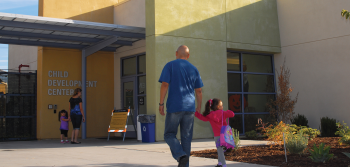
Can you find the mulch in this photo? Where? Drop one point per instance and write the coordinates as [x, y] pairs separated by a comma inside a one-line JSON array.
[[274, 155]]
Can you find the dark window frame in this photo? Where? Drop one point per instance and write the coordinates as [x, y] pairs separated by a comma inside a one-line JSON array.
[[242, 93], [137, 75]]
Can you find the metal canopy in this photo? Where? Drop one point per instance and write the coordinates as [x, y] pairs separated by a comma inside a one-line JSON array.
[[89, 37], [64, 33]]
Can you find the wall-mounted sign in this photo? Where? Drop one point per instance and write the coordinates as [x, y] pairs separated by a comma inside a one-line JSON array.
[[141, 101], [64, 83]]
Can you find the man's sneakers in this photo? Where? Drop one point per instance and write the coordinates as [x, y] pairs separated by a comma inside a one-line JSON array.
[[183, 161]]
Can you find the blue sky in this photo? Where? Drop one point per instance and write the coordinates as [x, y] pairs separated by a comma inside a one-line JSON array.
[[25, 7]]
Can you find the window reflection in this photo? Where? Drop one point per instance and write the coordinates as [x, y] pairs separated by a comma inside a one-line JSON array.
[[258, 103], [234, 82], [257, 63], [258, 83], [236, 123], [233, 63], [129, 66]]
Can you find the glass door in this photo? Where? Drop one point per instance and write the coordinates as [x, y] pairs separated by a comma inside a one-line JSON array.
[[129, 100]]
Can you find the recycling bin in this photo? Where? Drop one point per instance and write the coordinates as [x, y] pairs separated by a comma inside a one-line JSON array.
[[148, 128]]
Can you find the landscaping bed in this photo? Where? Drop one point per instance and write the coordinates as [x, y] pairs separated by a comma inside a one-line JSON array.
[[274, 155]]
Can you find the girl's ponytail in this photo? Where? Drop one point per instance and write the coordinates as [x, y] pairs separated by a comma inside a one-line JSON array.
[[211, 104], [207, 109]]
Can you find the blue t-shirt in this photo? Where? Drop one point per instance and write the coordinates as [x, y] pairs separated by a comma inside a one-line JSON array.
[[183, 78]]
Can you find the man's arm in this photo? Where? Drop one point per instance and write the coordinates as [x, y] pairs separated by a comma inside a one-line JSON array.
[[199, 99], [163, 91]]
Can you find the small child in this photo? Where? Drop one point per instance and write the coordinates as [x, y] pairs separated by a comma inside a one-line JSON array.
[[63, 118], [213, 113]]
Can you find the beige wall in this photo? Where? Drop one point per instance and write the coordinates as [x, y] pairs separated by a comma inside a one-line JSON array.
[[130, 13], [315, 39], [26, 55]]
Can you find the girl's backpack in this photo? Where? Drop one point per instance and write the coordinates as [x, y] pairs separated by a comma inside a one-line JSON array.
[[226, 136]]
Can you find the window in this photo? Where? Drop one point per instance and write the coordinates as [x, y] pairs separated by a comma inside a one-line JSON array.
[[251, 85], [135, 67]]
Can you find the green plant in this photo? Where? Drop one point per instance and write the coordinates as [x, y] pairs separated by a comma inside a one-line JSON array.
[[343, 132], [236, 138], [275, 132], [345, 13], [296, 143], [300, 120], [251, 134], [312, 133], [320, 154], [328, 127]]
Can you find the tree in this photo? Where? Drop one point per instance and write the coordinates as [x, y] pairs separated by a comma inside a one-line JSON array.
[[345, 13], [284, 105]]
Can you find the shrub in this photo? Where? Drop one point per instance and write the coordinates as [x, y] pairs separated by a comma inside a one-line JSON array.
[[320, 154], [312, 133], [251, 134], [300, 120], [236, 138], [328, 127], [343, 132], [296, 143], [275, 133]]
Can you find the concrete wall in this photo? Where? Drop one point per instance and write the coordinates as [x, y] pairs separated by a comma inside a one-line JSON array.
[[26, 55], [209, 29], [315, 45], [130, 13]]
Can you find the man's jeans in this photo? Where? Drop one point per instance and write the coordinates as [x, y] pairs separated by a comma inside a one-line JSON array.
[[172, 122]]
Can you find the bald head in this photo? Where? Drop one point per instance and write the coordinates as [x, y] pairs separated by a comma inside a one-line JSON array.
[[182, 52]]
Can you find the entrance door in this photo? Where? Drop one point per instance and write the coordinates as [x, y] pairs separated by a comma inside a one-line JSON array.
[[129, 100]]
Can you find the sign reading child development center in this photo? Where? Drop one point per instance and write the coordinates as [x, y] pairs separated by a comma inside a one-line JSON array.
[[69, 85]]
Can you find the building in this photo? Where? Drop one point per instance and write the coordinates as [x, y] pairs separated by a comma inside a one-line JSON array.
[[235, 44]]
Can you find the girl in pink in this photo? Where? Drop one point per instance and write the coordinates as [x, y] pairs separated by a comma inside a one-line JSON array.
[[213, 113], [63, 118]]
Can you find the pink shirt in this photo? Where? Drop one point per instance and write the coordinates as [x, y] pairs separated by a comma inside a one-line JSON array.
[[215, 119]]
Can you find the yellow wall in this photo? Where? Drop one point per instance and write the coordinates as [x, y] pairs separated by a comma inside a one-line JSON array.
[[100, 68], [85, 10], [100, 100]]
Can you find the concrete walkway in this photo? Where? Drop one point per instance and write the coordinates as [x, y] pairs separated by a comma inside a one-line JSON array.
[[102, 153]]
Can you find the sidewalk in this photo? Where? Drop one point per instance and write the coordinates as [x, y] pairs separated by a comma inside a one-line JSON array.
[[102, 153]]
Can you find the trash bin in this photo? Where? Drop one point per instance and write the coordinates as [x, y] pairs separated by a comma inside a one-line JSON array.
[[148, 128]]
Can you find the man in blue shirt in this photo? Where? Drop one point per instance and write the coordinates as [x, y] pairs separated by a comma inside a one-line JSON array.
[[182, 81]]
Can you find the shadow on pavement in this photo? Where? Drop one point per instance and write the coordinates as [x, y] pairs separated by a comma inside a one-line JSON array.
[[121, 165]]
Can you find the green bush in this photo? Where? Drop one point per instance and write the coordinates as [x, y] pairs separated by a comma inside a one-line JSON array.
[[300, 120], [343, 132], [236, 138], [320, 154], [251, 134], [296, 143], [312, 133], [328, 127], [275, 132]]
